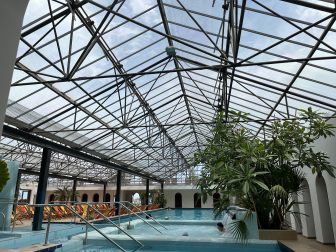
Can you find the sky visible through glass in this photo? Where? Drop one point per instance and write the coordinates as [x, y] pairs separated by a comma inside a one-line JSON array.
[[96, 76]]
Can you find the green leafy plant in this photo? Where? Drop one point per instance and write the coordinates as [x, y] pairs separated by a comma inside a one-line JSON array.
[[264, 175], [160, 199], [64, 194], [4, 174]]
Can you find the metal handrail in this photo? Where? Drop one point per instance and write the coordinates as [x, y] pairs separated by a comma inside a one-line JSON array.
[[107, 219], [141, 211], [13, 203], [79, 216], [129, 210], [4, 220]]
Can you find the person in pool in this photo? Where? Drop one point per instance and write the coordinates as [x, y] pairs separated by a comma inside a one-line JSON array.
[[149, 216], [220, 227]]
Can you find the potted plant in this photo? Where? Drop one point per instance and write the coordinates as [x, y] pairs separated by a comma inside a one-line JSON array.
[[262, 174]]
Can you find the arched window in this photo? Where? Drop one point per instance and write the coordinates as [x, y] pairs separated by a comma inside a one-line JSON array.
[[107, 197], [215, 198], [136, 199], [51, 198], [197, 200], [95, 197], [178, 200], [84, 197]]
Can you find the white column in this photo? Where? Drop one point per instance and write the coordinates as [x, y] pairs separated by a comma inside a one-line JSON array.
[[11, 18]]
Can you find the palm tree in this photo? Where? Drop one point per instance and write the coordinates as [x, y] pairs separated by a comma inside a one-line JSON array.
[[64, 194]]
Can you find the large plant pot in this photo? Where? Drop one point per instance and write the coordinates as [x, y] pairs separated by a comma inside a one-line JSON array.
[[273, 234]]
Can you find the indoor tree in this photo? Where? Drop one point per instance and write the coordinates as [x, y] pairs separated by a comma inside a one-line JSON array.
[[159, 198], [262, 174], [64, 194], [234, 163]]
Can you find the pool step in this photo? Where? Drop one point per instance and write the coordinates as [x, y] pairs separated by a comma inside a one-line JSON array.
[[35, 248]]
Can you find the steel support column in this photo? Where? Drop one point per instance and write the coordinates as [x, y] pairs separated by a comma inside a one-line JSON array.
[[147, 192], [104, 192], [162, 187], [118, 191], [74, 190], [41, 189], [17, 189]]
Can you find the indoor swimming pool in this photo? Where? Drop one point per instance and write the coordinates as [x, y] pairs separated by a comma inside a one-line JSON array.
[[196, 232], [184, 230]]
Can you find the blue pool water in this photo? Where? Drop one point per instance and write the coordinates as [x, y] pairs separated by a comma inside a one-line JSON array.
[[173, 228], [185, 214], [195, 222], [200, 224], [190, 246]]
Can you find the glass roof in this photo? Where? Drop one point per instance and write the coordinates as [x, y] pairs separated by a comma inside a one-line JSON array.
[[138, 83]]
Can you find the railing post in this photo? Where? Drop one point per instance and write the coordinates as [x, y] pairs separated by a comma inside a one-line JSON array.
[[118, 192], [86, 226], [48, 227], [147, 192]]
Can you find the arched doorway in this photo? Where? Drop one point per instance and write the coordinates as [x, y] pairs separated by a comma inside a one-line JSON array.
[[215, 198], [136, 199], [107, 197], [197, 200], [178, 200], [307, 218], [324, 209], [51, 198], [95, 197], [84, 197]]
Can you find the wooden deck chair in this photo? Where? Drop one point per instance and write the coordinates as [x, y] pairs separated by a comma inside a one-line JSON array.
[[79, 209], [85, 211], [110, 212], [143, 207], [66, 212], [17, 217], [23, 212], [123, 211], [46, 211], [58, 212]]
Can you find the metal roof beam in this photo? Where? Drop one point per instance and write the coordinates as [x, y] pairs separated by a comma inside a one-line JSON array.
[[303, 65], [23, 136]]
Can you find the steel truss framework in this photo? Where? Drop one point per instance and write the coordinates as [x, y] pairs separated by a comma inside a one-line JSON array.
[[138, 83]]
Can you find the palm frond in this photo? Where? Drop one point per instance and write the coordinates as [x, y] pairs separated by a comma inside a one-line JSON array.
[[239, 231]]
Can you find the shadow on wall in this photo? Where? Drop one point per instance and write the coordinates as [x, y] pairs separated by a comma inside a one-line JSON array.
[[324, 209]]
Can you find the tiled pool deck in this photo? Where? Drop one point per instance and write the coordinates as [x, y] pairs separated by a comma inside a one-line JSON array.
[[308, 245]]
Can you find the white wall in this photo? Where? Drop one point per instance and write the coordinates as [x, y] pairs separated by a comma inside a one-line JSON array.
[[324, 233], [126, 191], [187, 193], [11, 17]]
